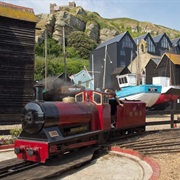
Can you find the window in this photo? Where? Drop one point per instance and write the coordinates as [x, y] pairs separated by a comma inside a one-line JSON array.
[[88, 84], [150, 45], [123, 80], [97, 98], [126, 42], [122, 64], [79, 82], [79, 97], [142, 48], [122, 53], [105, 99], [164, 42]]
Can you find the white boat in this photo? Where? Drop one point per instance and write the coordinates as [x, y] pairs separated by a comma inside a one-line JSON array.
[[169, 93], [147, 93]]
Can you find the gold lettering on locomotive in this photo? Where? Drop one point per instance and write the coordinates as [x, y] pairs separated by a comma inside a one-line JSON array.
[[53, 133]]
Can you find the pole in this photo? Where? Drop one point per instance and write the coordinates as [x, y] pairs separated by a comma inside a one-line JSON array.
[[172, 113], [93, 70], [137, 64], [64, 54], [46, 64], [104, 75]]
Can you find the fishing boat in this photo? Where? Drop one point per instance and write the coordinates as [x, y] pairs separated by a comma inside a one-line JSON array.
[[169, 80], [131, 90], [169, 93]]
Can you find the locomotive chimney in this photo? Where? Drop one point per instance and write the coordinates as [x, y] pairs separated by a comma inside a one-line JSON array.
[[38, 92]]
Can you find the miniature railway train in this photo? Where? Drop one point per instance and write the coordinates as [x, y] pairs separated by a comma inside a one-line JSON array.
[[51, 128]]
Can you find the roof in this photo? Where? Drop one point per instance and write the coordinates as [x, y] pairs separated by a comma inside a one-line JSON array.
[[138, 39], [175, 41], [113, 40], [175, 58], [117, 70], [156, 61], [158, 38], [17, 12], [82, 76]]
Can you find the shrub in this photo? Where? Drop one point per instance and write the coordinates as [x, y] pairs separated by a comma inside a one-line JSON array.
[[15, 132]]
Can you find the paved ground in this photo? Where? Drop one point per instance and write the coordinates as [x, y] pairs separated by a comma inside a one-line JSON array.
[[7, 154], [117, 165]]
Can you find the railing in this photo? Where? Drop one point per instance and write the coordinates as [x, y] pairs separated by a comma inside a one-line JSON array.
[[171, 121]]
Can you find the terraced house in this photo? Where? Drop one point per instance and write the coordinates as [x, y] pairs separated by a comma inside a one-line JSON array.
[[134, 54]]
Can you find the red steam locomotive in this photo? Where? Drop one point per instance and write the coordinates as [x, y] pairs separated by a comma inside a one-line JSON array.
[[51, 128]]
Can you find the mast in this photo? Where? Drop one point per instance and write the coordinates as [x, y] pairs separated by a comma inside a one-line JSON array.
[[64, 54], [170, 69], [46, 64], [93, 70], [131, 62], [104, 75], [137, 64]]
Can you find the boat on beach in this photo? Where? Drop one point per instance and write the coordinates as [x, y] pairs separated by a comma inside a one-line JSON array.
[[130, 90], [169, 93]]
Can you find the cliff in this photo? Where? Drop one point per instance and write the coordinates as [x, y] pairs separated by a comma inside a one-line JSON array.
[[97, 28]]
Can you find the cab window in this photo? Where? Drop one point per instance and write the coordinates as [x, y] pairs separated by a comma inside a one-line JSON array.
[[105, 99], [97, 98], [79, 97]]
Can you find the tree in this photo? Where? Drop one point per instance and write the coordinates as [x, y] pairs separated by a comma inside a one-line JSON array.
[[53, 48], [82, 44]]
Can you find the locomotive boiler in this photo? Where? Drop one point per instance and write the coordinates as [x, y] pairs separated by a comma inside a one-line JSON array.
[[51, 128]]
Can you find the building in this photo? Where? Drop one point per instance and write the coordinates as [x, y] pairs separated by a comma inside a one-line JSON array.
[[111, 54], [150, 46], [170, 67], [17, 34], [167, 66], [55, 8], [163, 44], [83, 78], [151, 70], [143, 57], [175, 46], [135, 54]]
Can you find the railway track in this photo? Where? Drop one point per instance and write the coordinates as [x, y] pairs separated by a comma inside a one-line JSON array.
[[154, 142], [9, 170], [18, 169], [151, 142]]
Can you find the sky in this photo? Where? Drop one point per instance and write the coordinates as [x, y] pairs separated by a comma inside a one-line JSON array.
[[160, 12]]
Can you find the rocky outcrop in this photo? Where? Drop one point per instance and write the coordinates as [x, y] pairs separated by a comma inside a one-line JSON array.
[[92, 30], [80, 10], [106, 34], [55, 23]]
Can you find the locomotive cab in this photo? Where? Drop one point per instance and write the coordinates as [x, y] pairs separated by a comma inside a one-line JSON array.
[[101, 102]]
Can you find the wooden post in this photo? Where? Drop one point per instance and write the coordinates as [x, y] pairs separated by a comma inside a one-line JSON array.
[[172, 114]]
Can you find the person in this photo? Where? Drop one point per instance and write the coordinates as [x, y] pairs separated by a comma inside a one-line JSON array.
[[113, 101], [111, 94]]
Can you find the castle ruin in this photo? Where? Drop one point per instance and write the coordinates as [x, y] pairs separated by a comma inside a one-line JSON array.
[[55, 8]]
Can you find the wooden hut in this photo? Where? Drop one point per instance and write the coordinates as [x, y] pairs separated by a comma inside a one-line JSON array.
[[17, 42]]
